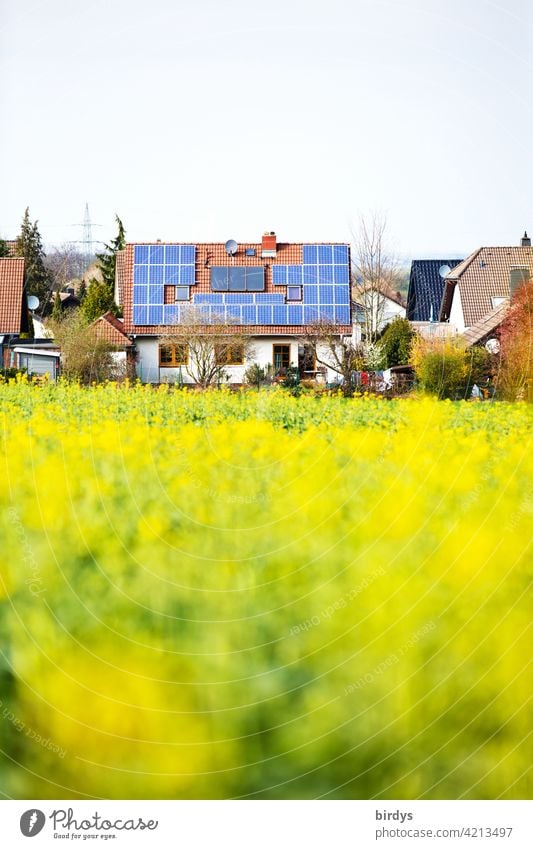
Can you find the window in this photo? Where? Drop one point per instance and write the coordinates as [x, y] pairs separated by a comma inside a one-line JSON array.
[[281, 356], [176, 293], [174, 355], [231, 278], [231, 355], [294, 293]]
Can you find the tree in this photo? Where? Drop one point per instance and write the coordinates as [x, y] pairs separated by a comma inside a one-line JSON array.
[[515, 376], [205, 349], [29, 245], [107, 261], [84, 357], [338, 353], [375, 273], [64, 263], [98, 300], [256, 375], [4, 248], [396, 341], [57, 312]]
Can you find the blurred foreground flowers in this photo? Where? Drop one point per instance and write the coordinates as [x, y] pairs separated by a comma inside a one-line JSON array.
[[221, 595]]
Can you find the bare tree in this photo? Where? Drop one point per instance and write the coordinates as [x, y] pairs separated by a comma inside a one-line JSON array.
[[84, 356], [375, 273], [339, 353], [204, 349], [64, 263]]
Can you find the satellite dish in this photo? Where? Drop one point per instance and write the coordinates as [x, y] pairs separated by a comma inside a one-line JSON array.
[[444, 270], [493, 346], [231, 247], [33, 302]]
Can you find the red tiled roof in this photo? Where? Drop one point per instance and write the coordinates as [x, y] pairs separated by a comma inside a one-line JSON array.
[[208, 254], [482, 276], [486, 325], [110, 329], [11, 291]]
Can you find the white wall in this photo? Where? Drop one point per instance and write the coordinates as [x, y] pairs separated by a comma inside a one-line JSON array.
[[456, 311], [148, 369]]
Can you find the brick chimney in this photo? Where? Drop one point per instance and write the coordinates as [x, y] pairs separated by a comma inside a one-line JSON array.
[[526, 241], [268, 245]]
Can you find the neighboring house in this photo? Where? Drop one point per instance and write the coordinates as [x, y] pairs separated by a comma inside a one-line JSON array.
[[110, 330], [69, 299], [269, 291], [488, 326], [13, 303], [375, 307], [483, 281], [426, 287], [38, 358]]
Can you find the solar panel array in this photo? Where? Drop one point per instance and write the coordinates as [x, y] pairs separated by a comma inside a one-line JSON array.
[[155, 266], [324, 277]]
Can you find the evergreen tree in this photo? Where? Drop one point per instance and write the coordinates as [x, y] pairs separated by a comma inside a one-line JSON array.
[[107, 261], [57, 312], [4, 248], [29, 245], [98, 300], [396, 341]]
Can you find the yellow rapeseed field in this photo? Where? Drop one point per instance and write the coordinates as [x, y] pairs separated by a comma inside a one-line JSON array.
[[254, 595]]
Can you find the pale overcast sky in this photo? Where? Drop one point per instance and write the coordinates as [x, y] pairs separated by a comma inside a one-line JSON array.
[[198, 120]]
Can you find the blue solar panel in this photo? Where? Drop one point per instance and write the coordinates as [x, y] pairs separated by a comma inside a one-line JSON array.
[[172, 254], [140, 254], [232, 313], [295, 274], [157, 254], [156, 294], [171, 274], [325, 254], [238, 298], [270, 298], [187, 275], [140, 294], [342, 274], [140, 315], [264, 314], [171, 314], [325, 273], [279, 314], [187, 255], [311, 294], [310, 275], [325, 293], [156, 273], [340, 254], [208, 298], [140, 274], [295, 314], [342, 294], [250, 252], [249, 314], [310, 314], [342, 314], [327, 313], [310, 254], [279, 275], [155, 315]]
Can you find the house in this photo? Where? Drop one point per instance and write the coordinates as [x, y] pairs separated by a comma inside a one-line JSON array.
[[483, 281], [270, 291], [376, 306], [487, 327], [426, 287], [13, 303], [110, 329]]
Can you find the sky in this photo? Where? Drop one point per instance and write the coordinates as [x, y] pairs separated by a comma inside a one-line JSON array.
[[198, 120]]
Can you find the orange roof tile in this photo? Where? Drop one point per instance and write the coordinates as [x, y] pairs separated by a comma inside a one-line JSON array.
[[11, 291]]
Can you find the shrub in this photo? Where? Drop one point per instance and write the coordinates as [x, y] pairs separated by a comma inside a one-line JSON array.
[[396, 342], [446, 368]]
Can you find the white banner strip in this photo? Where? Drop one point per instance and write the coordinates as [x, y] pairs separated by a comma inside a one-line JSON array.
[[268, 824]]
